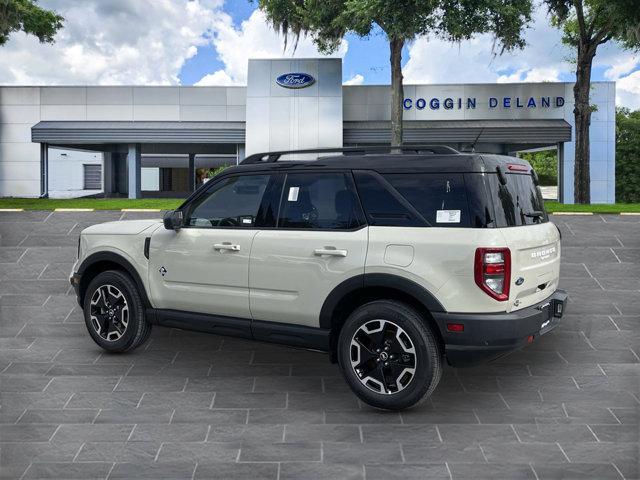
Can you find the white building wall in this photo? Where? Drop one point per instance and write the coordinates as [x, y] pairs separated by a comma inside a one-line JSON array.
[[23, 107], [66, 171], [281, 118]]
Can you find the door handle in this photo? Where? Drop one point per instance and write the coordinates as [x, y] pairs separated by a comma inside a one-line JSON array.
[[330, 251], [226, 246]]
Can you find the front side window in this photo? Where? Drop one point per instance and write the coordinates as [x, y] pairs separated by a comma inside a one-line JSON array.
[[323, 201], [232, 203]]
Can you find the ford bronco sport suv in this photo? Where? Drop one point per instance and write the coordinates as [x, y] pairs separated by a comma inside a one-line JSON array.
[[391, 262]]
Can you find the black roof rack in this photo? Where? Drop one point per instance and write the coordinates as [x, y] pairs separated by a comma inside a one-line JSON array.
[[270, 157]]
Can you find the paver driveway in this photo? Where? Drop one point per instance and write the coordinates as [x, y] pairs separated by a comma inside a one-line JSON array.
[[196, 405]]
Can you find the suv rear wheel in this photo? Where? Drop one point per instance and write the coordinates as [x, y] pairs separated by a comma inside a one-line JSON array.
[[114, 312], [389, 356]]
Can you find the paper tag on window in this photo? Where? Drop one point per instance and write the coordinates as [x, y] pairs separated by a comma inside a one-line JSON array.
[[293, 194], [448, 216]]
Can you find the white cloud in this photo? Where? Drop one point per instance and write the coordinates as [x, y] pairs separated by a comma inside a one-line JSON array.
[[628, 91], [253, 39], [436, 61], [219, 77], [114, 42], [357, 79], [622, 65], [531, 75]]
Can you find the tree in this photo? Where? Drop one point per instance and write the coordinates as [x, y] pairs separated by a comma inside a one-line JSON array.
[[328, 21], [28, 17], [587, 24], [627, 155]]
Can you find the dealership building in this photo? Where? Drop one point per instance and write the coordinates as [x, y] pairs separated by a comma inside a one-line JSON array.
[[147, 141]]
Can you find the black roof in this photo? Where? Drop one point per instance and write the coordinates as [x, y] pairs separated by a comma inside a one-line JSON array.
[[382, 162]]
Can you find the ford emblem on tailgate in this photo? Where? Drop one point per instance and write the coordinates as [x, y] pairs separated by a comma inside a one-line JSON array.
[[295, 80]]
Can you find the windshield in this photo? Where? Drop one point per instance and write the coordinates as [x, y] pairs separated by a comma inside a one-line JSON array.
[[519, 202]]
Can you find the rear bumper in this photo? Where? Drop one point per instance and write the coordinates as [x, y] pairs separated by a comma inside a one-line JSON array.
[[489, 336]]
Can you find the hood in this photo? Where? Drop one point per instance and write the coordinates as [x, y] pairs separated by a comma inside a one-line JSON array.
[[122, 227]]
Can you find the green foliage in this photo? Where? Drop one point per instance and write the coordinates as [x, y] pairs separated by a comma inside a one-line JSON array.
[[327, 21], [545, 163], [627, 155], [597, 21], [28, 17], [215, 171]]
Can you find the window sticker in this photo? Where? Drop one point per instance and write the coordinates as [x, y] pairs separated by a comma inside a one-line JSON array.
[[293, 194], [448, 216]]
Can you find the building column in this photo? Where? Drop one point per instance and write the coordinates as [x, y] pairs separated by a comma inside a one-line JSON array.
[[44, 170], [192, 172], [560, 156], [133, 170], [240, 153]]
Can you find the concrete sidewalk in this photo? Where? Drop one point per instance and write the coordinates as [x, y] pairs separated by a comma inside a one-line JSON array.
[[201, 406]]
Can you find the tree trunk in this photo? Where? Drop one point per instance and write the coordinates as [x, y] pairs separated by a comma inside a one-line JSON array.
[[397, 89], [582, 115]]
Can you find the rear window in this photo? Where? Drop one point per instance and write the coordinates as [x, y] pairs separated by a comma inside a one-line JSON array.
[[517, 203]]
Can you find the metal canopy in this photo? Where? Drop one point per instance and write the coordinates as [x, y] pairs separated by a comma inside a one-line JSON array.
[[137, 132], [462, 131]]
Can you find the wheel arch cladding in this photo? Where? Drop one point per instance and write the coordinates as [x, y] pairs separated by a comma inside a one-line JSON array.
[[361, 289], [100, 262]]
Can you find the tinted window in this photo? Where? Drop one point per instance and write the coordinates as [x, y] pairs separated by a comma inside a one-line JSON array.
[[381, 206], [440, 198], [518, 202], [319, 201], [232, 202]]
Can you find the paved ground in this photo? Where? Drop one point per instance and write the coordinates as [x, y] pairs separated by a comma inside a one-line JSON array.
[[196, 405]]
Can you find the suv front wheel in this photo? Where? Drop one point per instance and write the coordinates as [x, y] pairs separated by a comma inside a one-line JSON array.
[[114, 312], [389, 356]]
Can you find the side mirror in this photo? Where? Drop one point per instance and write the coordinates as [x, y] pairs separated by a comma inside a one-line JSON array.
[[173, 220]]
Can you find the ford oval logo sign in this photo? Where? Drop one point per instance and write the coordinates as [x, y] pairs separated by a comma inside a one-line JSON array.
[[295, 80]]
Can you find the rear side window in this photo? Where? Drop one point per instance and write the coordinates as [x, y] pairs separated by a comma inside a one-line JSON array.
[[517, 203], [381, 206], [321, 201], [440, 198]]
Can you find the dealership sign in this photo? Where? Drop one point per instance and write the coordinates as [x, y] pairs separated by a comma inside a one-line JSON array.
[[469, 103], [295, 80]]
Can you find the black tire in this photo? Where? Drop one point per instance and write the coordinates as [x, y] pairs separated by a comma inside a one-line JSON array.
[[137, 329], [427, 361]]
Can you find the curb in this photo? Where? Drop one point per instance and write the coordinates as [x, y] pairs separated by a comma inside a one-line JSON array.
[[140, 210], [572, 213], [74, 209], [11, 209]]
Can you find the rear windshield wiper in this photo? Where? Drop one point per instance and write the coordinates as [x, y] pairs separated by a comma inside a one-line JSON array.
[[534, 214]]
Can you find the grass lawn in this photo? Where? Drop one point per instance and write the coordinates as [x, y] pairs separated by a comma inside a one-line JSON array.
[[95, 203], [171, 203], [595, 208]]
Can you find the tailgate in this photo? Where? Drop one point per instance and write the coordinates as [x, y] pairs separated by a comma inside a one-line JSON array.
[[535, 263]]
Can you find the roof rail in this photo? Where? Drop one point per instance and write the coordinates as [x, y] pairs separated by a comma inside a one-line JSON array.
[[270, 157]]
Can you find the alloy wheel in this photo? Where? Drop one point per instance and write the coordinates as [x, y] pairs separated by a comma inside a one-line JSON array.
[[383, 356], [109, 312]]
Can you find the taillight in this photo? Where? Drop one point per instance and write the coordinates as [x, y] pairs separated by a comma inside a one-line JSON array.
[[492, 271]]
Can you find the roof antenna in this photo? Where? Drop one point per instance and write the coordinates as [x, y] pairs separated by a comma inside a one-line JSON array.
[[473, 145]]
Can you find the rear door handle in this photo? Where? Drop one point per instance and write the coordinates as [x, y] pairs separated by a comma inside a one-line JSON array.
[[330, 251], [226, 246]]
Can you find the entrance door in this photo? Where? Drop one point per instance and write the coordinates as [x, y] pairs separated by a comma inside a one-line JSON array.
[[204, 266], [320, 241]]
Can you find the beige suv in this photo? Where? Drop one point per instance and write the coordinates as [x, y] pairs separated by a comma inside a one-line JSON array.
[[391, 262]]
